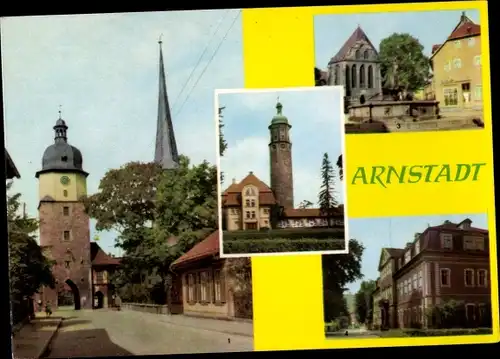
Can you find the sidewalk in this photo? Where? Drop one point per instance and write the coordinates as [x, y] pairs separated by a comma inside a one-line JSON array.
[[33, 339]]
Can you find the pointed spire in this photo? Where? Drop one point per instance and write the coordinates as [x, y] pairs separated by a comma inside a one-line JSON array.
[[166, 148], [60, 129], [279, 107]]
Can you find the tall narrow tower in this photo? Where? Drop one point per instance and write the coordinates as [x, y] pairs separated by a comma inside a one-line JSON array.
[[64, 225], [166, 148], [280, 151]]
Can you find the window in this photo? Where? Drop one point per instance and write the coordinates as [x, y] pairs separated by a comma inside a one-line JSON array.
[[358, 54], [447, 240], [353, 76], [457, 63], [417, 246], [66, 264], [469, 277], [218, 285], [266, 222], [253, 214], [469, 244], [447, 66], [481, 278], [252, 203], [407, 256], [66, 235], [370, 76], [458, 44], [64, 158], [65, 193], [478, 93], [190, 294], [477, 60], [471, 41], [400, 263], [450, 96], [266, 210], [479, 244], [99, 277], [365, 55], [445, 277], [204, 286], [362, 76], [66, 211], [247, 214], [247, 203], [415, 281], [420, 280]]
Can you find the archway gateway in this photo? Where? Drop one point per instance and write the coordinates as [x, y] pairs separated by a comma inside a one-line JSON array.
[[76, 293], [98, 300]]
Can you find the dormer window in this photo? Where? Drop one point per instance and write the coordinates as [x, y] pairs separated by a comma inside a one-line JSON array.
[[64, 158], [465, 224], [446, 240]]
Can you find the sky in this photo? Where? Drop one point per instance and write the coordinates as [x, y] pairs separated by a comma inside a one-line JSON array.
[[103, 70], [429, 27], [395, 232], [315, 116]]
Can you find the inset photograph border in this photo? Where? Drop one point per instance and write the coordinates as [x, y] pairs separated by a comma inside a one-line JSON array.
[[302, 210]]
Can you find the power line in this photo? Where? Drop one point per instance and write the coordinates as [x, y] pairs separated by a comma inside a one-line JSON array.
[[209, 62], [200, 58]]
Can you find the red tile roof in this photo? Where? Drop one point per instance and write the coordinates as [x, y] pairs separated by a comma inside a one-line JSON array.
[[435, 48], [206, 248], [100, 258], [232, 195], [356, 36]]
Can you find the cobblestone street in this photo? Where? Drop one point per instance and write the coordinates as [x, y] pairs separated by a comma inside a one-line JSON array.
[[111, 333]]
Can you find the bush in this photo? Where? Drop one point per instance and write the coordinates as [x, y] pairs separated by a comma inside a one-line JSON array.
[[281, 245], [289, 233], [445, 332]]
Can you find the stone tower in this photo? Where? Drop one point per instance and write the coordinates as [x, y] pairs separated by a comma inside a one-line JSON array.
[[64, 225], [166, 154], [280, 153]]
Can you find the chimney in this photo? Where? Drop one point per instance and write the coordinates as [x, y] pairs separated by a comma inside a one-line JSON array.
[[463, 17], [251, 172], [234, 180], [24, 209]]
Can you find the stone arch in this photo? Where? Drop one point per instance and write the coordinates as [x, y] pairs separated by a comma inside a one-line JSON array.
[[358, 54], [365, 55], [347, 80], [337, 73], [76, 293], [370, 76], [353, 76], [362, 82]]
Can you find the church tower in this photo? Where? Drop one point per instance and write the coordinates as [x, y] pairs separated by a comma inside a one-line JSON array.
[[64, 225], [166, 154], [280, 151]]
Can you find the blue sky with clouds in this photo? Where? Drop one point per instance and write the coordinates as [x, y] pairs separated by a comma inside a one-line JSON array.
[[315, 116], [395, 232], [429, 27], [103, 70]]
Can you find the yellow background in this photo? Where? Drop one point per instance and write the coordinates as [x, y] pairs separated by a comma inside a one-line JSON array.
[[278, 47]]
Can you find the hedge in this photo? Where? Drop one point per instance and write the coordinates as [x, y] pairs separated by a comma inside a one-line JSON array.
[[436, 332], [281, 245], [288, 233]]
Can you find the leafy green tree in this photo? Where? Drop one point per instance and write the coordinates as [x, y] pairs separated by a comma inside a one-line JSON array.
[[403, 63], [363, 301], [29, 269], [125, 201], [338, 271]]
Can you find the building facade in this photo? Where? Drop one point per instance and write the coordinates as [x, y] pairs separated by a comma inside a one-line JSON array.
[[457, 67], [207, 287], [444, 263], [253, 205], [356, 67], [65, 226]]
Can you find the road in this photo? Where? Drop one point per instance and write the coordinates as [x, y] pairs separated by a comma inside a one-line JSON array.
[[111, 333], [353, 334]]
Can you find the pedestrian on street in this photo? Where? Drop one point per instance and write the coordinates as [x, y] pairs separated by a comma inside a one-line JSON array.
[[48, 309], [118, 302]]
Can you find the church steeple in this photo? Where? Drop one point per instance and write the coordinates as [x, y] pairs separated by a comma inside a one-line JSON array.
[[166, 153]]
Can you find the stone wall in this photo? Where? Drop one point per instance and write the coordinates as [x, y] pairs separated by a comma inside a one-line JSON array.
[[146, 308]]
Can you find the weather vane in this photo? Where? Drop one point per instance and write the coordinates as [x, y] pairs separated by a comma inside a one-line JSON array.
[[60, 110]]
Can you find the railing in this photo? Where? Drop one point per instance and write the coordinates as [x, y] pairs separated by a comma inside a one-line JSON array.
[[146, 308]]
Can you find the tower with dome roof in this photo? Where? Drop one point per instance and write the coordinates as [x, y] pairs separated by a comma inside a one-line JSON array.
[[64, 225]]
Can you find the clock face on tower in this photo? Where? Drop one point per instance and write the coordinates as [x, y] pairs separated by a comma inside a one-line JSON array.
[[65, 180]]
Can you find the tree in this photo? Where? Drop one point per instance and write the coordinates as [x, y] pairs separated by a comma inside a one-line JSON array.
[[222, 141], [403, 63], [326, 198], [340, 166], [363, 301], [338, 271], [29, 269], [305, 204], [125, 201]]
